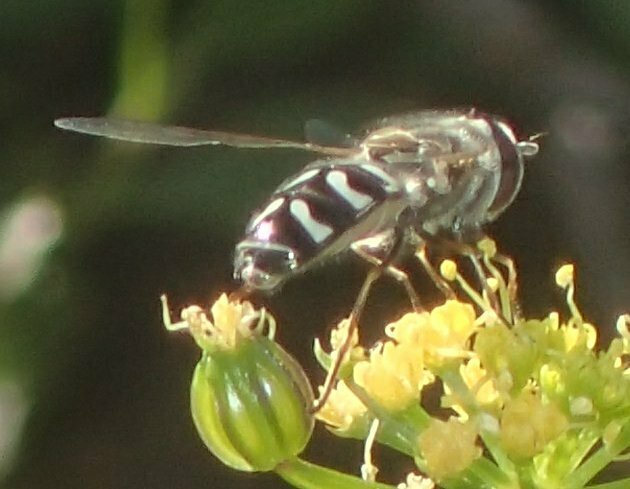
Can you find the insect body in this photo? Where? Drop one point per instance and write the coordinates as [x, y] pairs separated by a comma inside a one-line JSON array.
[[413, 179], [428, 174]]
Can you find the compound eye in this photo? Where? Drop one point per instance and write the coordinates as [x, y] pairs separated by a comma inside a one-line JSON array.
[[511, 167]]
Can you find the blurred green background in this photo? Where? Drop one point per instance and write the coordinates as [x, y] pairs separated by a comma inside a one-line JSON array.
[[93, 392]]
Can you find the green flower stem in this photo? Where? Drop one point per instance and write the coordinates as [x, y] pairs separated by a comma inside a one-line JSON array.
[[141, 91], [472, 293], [450, 376], [465, 481], [568, 453], [143, 70], [489, 475], [306, 475], [398, 430], [599, 460], [482, 474], [503, 290], [525, 477], [453, 379], [401, 431]]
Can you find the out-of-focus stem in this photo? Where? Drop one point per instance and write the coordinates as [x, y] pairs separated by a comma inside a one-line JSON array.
[[306, 475]]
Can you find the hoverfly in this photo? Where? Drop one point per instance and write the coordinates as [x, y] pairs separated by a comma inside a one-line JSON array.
[[409, 181]]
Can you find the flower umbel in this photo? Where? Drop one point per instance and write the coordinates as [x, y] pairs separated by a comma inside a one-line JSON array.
[[535, 396], [524, 402]]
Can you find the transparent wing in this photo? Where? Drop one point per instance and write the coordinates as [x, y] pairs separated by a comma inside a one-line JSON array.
[[320, 132], [151, 133]]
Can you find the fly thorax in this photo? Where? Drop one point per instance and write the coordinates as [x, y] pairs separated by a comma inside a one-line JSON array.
[[394, 145], [438, 176]]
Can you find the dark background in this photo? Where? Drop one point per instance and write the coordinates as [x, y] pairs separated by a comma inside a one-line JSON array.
[[93, 392]]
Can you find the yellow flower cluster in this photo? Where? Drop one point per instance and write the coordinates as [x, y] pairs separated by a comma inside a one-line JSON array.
[[437, 336], [233, 321], [529, 402], [522, 383], [395, 371], [448, 447], [528, 424], [393, 375], [342, 408]]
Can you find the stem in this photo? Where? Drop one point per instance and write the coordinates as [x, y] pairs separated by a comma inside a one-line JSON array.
[[144, 60], [600, 459], [453, 379], [398, 430], [489, 474], [472, 293], [306, 475], [504, 297]]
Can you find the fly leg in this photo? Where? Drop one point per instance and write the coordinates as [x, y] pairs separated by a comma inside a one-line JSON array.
[[394, 272], [470, 252], [442, 285], [339, 355], [380, 266]]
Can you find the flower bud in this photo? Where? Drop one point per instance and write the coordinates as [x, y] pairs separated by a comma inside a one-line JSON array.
[[250, 405], [250, 399]]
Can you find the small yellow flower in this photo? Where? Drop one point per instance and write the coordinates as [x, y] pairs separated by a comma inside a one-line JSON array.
[[448, 447], [448, 269], [233, 322], [338, 337], [481, 385], [441, 334], [549, 335], [409, 329], [456, 319], [342, 408], [581, 406], [579, 334], [564, 276], [528, 425], [507, 356], [488, 247], [478, 381], [393, 376]]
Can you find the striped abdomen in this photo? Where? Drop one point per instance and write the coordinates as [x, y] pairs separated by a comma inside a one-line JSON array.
[[315, 214]]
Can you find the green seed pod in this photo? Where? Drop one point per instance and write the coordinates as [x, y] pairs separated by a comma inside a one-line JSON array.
[[250, 399], [250, 405]]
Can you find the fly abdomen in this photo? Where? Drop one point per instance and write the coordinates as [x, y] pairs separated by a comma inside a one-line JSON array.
[[307, 217]]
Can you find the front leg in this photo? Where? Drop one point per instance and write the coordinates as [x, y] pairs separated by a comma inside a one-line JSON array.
[[390, 244]]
